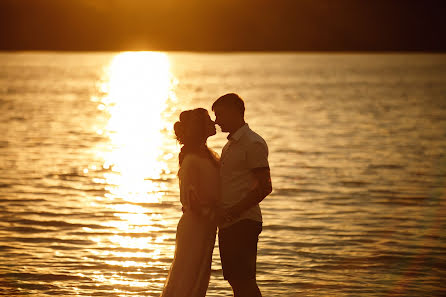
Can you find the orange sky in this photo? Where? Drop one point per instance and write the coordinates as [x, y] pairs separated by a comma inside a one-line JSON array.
[[224, 25]]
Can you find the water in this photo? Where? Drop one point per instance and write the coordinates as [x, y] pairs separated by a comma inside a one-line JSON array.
[[88, 187]]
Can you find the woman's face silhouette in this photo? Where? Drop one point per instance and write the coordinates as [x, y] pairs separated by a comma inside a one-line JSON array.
[[210, 127]]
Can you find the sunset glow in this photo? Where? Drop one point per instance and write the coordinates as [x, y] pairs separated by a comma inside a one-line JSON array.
[[137, 90]]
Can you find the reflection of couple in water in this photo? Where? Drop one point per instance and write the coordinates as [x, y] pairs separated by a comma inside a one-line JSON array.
[[218, 192]]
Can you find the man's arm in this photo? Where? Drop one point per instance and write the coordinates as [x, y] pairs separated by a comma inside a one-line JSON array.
[[262, 188]]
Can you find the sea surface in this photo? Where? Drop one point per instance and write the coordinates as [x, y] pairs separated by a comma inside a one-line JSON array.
[[89, 198]]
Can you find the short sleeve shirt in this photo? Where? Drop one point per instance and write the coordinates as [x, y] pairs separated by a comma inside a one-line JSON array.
[[244, 151]]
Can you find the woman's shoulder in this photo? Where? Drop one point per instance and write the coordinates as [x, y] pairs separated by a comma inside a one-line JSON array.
[[190, 159], [193, 158], [195, 166], [190, 163]]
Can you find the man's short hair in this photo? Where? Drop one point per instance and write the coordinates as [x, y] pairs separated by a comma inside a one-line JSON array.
[[230, 100]]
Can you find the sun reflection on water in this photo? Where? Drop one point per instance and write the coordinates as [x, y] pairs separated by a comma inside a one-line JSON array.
[[136, 88]]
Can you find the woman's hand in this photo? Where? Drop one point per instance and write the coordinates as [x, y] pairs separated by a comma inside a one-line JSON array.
[[224, 216], [194, 201], [198, 208]]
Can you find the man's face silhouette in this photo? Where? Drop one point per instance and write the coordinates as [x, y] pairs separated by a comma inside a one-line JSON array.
[[224, 117]]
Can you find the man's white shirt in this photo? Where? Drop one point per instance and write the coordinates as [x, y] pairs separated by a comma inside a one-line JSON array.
[[244, 151]]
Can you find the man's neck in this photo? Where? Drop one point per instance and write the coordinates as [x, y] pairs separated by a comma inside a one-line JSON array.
[[236, 128]]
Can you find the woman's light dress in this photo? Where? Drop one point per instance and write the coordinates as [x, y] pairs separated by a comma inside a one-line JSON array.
[[191, 267]]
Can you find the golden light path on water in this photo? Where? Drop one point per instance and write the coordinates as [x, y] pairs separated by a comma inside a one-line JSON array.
[[136, 88], [137, 93]]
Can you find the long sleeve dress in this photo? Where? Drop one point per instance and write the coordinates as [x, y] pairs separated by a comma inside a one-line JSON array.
[[195, 238]]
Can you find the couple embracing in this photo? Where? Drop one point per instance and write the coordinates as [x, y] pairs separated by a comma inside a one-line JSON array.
[[222, 192]]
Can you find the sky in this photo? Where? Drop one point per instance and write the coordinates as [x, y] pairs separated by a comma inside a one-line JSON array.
[[223, 25]]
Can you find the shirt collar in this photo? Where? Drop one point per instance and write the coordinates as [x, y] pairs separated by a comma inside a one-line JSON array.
[[237, 134]]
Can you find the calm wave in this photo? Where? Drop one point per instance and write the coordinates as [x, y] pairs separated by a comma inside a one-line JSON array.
[[89, 193]]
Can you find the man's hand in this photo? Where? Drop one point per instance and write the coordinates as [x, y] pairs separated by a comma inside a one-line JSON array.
[[222, 216], [263, 182], [261, 188]]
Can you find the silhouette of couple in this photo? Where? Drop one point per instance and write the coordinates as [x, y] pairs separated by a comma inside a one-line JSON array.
[[218, 192]]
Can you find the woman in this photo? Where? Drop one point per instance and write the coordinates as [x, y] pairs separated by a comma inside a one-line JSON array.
[[199, 190]]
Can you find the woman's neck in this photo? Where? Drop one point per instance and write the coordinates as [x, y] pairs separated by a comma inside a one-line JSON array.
[[196, 148]]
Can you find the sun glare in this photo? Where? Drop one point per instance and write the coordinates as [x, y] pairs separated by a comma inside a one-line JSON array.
[[137, 90]]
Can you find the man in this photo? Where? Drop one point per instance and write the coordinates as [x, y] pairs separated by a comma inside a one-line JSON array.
[[245, 181]]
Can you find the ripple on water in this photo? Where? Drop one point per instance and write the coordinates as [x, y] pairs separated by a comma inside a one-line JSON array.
[[357, 163]]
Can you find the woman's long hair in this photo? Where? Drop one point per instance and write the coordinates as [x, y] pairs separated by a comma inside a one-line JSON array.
[[190, 131]]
